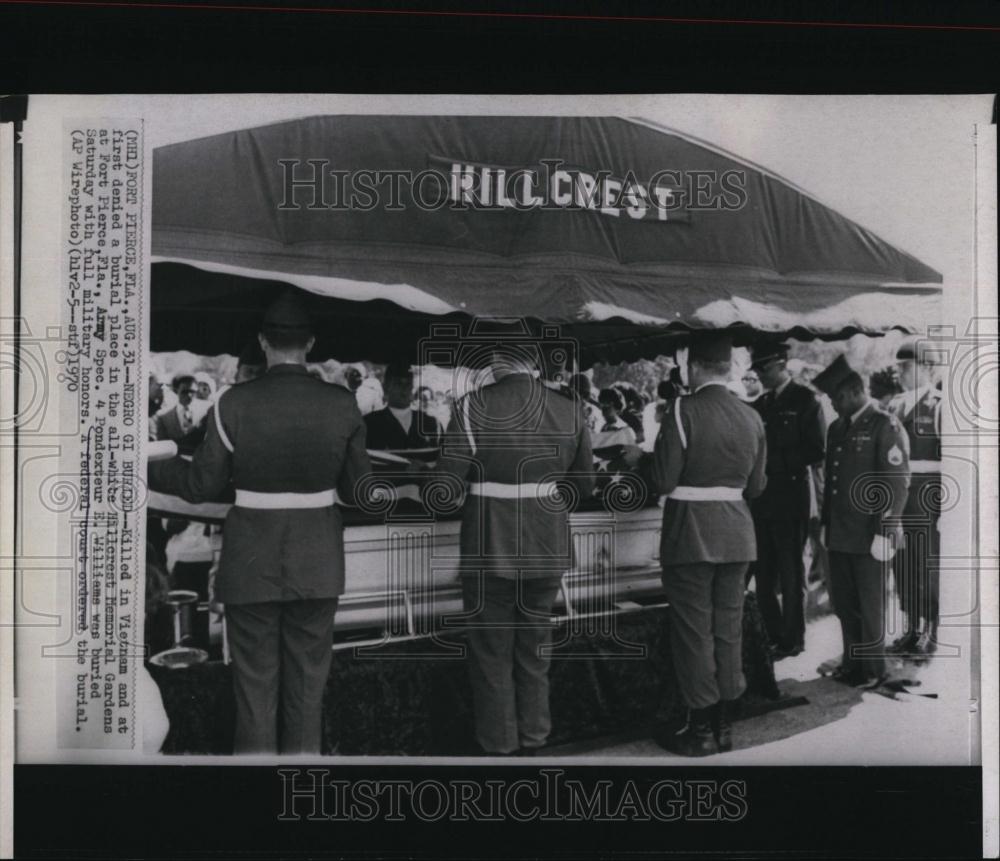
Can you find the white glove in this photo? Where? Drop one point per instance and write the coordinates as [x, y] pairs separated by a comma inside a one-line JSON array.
[[883, 548]]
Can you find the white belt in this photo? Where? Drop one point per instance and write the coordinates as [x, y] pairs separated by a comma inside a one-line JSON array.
[[513, 491], [706, 494], [925, 466], [254, 499]]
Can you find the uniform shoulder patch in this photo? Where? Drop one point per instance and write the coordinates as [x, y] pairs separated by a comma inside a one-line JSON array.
[[895, 456]]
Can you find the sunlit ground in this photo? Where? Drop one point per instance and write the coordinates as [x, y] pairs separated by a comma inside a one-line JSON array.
[[842, 725]]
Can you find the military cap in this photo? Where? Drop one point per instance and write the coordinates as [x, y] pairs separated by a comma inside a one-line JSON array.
[[287, 314], [764, 351], [710, 347], [833, 375]]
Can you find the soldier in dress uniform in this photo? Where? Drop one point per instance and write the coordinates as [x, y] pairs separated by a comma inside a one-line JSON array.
[[709, 460], [867, 473], [514, 440], [293, 447], [796, 432], [918, 576]]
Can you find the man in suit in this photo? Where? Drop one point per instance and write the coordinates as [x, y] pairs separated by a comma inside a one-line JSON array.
[[293, 447], [709, 460], [916, 569], [180, 421], [398, 426], [514, 440], [183, 424], [796, 432], [867, 474]]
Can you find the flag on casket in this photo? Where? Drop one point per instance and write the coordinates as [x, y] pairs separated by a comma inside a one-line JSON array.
[[404, 481], [619, 486]]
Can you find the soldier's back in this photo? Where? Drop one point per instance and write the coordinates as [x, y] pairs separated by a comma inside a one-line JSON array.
[[525, 430], [723, 437], [522, 439], [723, 442], [288, 430]]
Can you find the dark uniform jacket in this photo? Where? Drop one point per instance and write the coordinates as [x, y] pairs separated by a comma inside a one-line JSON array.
[[513, 435], [922, 424], [867, 474], [385, 432], [795, 431], [285, 432], [723, 445]]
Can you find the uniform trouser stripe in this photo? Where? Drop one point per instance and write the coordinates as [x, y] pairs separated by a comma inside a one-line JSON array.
[[706, 630]]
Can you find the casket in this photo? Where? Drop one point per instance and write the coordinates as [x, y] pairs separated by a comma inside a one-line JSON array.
[[402, 575]]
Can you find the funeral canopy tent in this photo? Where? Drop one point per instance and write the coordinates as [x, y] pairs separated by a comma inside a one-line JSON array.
[[653, 251]]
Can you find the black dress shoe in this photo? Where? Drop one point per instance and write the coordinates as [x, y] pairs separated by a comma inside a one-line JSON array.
[[722, 725], [695, 739]]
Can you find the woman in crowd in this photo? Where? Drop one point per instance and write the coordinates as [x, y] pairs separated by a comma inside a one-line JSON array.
[[614, 431]]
